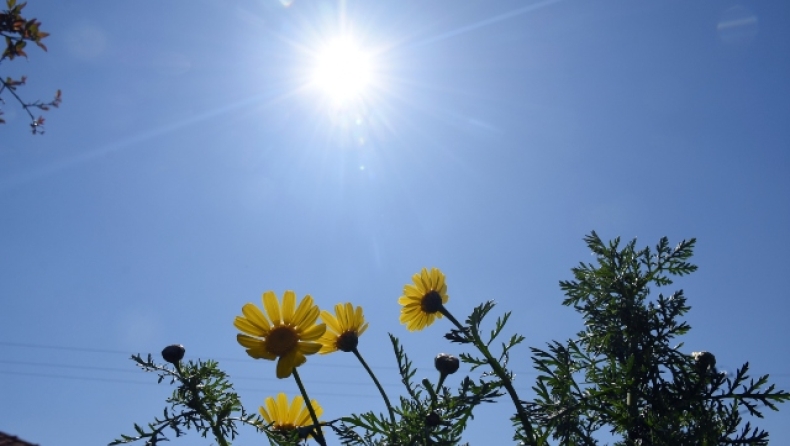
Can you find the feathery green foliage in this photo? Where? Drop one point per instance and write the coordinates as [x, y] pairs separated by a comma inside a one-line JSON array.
[[624, 375]]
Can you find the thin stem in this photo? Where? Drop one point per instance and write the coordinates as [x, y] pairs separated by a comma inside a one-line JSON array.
[[442, 376], [378, 384], [201, 408], [498, 371], [452, 318], [319, 433], [21, 102]]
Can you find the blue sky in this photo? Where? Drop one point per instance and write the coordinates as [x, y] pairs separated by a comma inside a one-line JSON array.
[[191, 167]]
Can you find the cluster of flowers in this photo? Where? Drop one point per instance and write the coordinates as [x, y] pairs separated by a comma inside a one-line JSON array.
[[287, 332]]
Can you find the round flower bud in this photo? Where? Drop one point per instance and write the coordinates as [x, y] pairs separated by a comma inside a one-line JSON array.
[[173, 353], [705, 360], [446, 364], [433, 419]]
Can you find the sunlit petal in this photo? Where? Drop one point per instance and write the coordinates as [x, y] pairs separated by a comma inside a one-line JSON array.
[[330, 321], [289, 304], [246, 326], [314, 332], [287, 332], [272, 307], [285, 416], [419, 301]]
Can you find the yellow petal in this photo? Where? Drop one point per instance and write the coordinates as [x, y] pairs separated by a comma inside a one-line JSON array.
[[297, 405], [289, 304], [406, 300], [289, 362], [255, 316], [359, 317], [328, 345], [340, 317], [411, 310], [330, 321], [302, 312], [311, 316], [249, 341], [270, 412], [317, 408], [427, 279], [260, 353], [309, 348], [348, 316], [255, 347], [405, 318], [264, 414], [418, 282], [299, 357], [285, 365], [248, 327], [313, 333], [272, 307], [436, 278], [303, 417], [282, 407], [413, 291], [419, 322]]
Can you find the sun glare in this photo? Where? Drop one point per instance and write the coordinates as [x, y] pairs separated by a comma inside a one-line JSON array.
[[342, 71]]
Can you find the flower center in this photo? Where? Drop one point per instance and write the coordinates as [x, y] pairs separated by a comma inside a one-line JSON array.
[[431, 302], [348, 341], [281, 340]]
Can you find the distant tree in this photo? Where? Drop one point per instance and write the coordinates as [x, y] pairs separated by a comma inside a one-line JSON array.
[[18, 31]]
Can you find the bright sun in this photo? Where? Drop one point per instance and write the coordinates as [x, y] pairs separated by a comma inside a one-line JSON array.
[[342, 71]]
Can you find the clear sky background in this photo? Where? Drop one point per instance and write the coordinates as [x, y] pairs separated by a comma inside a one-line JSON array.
[[193, 166]]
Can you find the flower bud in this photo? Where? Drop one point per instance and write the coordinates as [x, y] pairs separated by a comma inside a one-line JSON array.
[[433, 419], [705, 360], [446, 364], [173, 353]]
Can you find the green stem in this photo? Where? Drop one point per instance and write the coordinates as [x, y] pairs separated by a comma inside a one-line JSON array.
[[319, 433], [498, 371], [378, 384], [442, 376], [201, 408], [218, 434]]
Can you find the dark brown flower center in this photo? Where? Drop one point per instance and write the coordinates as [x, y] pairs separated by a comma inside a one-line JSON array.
[[348, 341], [281, 340], [431, 302]]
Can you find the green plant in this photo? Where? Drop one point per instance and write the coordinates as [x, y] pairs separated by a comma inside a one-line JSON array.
[[622, 375]]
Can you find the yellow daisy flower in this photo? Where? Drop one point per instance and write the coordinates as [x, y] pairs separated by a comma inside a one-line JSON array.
[[423, 300], [344, 329], [288, 333], [285, 417]]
